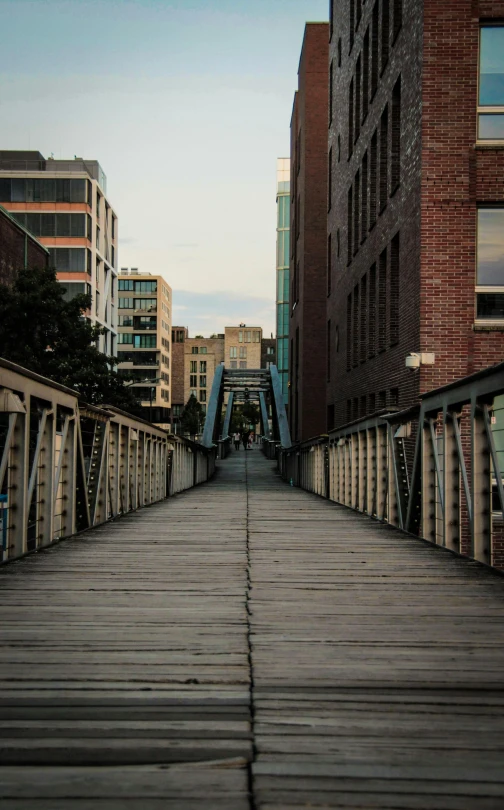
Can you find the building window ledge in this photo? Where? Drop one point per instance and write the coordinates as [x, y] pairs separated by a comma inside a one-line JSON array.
[[488, 326]]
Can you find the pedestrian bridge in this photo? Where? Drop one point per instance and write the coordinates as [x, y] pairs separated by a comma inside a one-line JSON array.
[[247, 644]]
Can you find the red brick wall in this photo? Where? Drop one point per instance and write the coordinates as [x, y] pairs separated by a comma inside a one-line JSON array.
[[12, 250], [457, 175], [309, 136], [177, 370]]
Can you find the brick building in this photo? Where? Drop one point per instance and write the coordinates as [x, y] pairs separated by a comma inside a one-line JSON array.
[[308, 260], [268, 352], [416, 197], [18, 248], [179, 336]]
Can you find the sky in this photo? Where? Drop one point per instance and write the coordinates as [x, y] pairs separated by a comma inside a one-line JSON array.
[[186, 104]]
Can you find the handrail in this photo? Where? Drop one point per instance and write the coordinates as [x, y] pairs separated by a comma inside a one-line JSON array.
[[66, 465], [434, 470]]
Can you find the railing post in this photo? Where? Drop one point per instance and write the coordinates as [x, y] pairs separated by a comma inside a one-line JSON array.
[[428, 482], [451, 522], [481, 489]]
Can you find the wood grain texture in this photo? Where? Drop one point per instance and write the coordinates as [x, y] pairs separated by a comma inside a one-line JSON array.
[[243, 634]]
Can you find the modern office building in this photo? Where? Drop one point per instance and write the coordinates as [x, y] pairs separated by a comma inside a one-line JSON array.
[[282, 272], [144, 337], [18, 248], [308, 242], [64, 204], [416, 198]]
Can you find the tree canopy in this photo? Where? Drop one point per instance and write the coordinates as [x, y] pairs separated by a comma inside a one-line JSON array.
[[192, 416], [46, 334]]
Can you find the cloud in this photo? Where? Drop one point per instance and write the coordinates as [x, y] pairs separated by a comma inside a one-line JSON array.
[[212, 312]]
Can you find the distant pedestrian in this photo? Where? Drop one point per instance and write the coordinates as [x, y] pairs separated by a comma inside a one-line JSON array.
[[236, 439], [245, 439], [250, 441]]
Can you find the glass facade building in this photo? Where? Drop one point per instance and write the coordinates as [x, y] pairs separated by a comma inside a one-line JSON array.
[[282, 271]]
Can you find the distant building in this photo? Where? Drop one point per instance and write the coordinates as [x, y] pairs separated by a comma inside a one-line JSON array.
[[63, 203], [308, 263], [243, 346], [18, 248], [179, 336], [201, 358], [282, 273], [268, 352], [144, 334]]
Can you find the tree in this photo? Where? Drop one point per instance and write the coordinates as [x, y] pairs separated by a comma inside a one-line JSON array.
[[46, 334], [191, 416], [243, 416]]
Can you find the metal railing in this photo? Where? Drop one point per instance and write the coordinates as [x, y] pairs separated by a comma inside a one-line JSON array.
[[66, 466], [435, 470]]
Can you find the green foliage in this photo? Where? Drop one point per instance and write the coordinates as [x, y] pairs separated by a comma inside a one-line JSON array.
[[46, 334], [192, 416], [243, 416]]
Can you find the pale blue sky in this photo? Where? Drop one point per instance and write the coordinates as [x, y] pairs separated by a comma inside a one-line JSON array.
[[186, 104]]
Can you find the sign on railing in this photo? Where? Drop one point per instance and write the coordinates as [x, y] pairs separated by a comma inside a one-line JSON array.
[[435, 470], [66, 466]]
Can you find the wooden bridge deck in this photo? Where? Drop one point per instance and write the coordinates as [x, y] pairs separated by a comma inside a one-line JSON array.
[[249, 645]]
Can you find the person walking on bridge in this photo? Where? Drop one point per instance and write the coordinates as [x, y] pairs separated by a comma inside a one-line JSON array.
[[245, 439], [236, 439]]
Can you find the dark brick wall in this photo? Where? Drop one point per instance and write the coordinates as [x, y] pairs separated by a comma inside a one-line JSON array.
[[12, 250], [268, 343], [444, 175], [177, 368], [377, 373], [308, 267]]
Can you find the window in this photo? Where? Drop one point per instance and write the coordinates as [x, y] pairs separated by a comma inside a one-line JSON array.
[[125, 320], [202, 396], [69, 260], [145, 286], [256, 337], [233, 351], [384, 159], [394, 291], [43, 190], [240, 337], [349, 223], [194, 350], [243, 352], [248, 337], [396, 136], [365, 76], [203, 350], [490, 264], [331, 85], [491, 84], [352, 22], [270, 350], [149, 304], [398, 13], [356, 214], [125, 338], [373, 179], [125, 303], [233, 363], [193, 380], [243, 364], [125, 284], [374, 50], [193, 393], [202, 380], [363, 320], [202, 367], [329, 181], [193, 366], [350, 118], [382, 301], [144, 341], [385, 33]]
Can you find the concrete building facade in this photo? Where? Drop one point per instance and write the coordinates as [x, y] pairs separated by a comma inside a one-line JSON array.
[[308, 242], [64, 204], [282, 273], [242, 346], [416, 198], [18, 248], [144, 338]]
